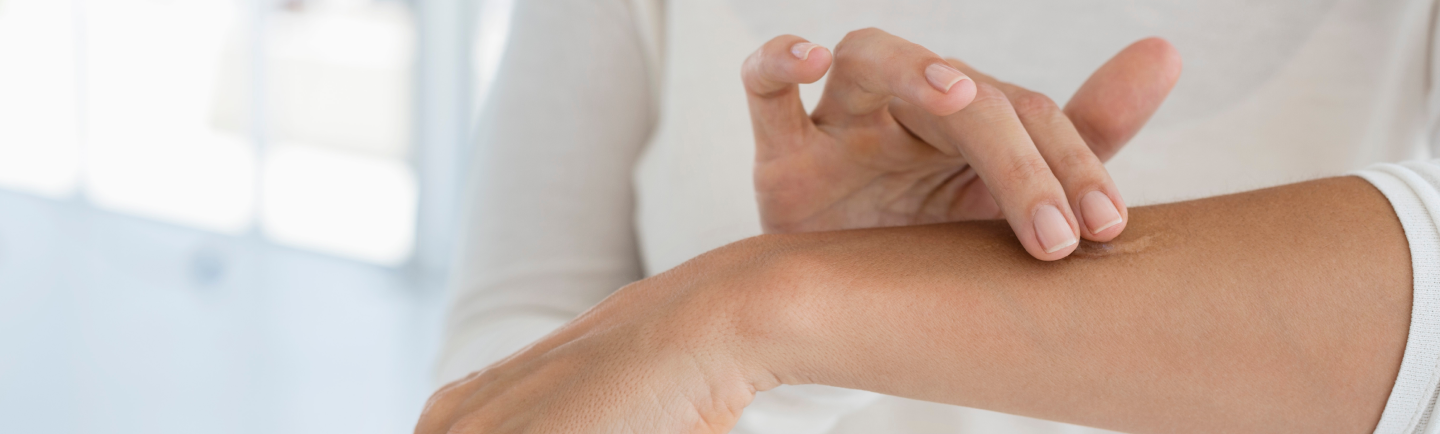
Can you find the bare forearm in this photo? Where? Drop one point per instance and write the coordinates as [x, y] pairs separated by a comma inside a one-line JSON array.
[[1277, 310]]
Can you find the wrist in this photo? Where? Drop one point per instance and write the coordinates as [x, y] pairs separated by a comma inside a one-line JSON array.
[[754, 313], [776, 302]]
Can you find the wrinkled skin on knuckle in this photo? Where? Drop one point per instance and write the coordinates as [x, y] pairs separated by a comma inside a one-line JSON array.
[[989, 99], [989, 110], [1022, 171], [1080, 160], [1034, 104]]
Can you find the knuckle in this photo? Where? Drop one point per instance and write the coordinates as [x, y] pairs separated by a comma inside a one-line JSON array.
[[783, 40], [1033, 104], [1077, 158], [989, 97], [754, 79], [861, 34], [751, 66], [1022, 169], [850, 48], [845, 59], [469, 424], [846, 54]]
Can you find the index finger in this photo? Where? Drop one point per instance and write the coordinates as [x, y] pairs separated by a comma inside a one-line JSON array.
[[995, 142], [1093, 196]]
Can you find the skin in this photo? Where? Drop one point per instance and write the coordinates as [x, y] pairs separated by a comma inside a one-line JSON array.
[[885, 147], [1279, 310], [1244, 313]]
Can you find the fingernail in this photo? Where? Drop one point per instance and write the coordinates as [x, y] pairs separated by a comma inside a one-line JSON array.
[[943, 76], [802, 50], [1052, 229], [1100, 212]]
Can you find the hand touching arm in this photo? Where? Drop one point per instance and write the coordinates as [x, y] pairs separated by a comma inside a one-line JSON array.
[[947, 147]]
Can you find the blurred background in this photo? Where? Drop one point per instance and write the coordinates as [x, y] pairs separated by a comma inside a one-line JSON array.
[[230, 216]]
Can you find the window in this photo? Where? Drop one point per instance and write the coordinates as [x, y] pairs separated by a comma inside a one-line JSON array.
[[205, 206], [39, 135], [290, 119]]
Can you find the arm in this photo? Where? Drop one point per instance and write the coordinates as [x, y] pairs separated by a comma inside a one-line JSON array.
[[550, 231], [1281, 310]]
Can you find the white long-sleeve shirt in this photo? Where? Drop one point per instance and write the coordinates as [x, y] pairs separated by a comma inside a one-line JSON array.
[[616, 144]]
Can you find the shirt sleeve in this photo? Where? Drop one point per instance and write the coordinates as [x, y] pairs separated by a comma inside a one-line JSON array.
[[549, 229], [1413, 190]]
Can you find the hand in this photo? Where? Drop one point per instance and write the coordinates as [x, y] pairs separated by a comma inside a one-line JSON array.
[[904, 137], [658, 356]]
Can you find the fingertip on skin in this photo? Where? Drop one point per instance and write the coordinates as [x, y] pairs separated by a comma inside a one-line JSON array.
[[1053, 232], [1106, 228], [1055, 255], [1101, 216]]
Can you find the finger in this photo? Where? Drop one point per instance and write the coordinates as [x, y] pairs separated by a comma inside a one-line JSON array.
[[993, 140], [872, 66], [1091, 193], [772, 76], [1117, 100]]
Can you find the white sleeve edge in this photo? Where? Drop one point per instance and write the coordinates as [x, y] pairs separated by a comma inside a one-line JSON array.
[[1417, 204]]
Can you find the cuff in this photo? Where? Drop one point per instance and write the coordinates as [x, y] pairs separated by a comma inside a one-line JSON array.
[[1411, 190]]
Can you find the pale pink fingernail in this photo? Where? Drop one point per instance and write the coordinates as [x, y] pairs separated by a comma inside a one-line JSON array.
[[1100, 212], [802, 50], [1052, 229], [943, 77]]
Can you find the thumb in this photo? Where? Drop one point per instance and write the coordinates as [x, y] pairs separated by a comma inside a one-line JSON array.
[[1117, 100], [772, 76]]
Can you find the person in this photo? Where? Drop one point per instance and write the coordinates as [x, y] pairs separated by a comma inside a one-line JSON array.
[[559, 151]]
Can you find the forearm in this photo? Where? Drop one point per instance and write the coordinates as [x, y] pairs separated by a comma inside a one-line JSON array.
[[1277, 310]]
